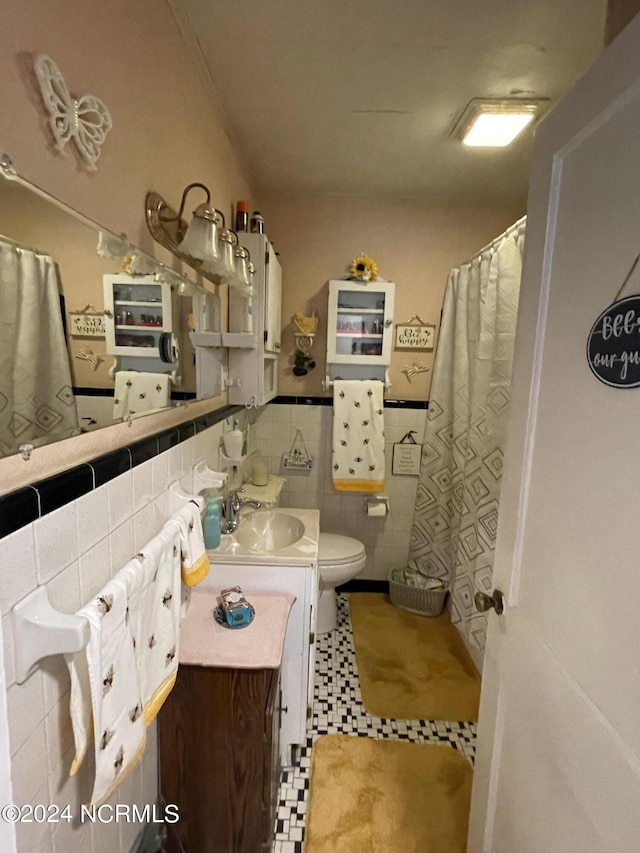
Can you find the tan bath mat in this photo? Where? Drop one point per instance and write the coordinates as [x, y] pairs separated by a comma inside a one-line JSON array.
[[383, 796], [411, 667]]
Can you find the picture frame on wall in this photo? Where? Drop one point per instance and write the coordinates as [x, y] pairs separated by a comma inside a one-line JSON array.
[[416, 336], [406, 459]]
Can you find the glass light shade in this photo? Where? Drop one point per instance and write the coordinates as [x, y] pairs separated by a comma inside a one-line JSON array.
[[201, 240], [227, 258], [242, 268]]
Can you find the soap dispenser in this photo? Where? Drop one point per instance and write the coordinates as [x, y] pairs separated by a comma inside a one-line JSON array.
[[211, 524]]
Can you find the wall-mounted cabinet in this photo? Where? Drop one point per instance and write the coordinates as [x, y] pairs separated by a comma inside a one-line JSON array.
[[137, 313], [359, 325], [253, 373]]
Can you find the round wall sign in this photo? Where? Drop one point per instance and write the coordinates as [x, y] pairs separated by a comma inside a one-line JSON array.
[[613, 347]]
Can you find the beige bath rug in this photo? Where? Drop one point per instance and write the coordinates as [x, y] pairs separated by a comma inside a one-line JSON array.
[[411, 667], [383, 796]]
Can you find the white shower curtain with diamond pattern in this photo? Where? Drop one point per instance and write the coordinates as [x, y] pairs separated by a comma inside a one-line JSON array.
[[458, 495], [37, 404]]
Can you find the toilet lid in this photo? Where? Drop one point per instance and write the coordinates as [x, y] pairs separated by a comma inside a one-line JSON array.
[[333, 549]]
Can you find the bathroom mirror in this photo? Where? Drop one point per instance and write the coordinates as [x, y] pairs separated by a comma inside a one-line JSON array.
[[41, 239]]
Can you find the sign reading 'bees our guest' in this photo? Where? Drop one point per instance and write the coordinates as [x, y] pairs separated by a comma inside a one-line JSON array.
[[613, 347]]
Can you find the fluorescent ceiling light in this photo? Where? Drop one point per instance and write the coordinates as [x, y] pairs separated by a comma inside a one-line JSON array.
[[494, 124]]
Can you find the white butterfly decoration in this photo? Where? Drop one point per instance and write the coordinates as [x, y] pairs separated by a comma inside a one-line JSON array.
[[85, 120]]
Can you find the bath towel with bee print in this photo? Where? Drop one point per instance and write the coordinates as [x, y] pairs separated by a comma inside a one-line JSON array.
[[118, 683], [358, 436]]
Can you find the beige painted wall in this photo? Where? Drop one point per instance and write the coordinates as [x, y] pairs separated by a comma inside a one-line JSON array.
[[165, 131], [414, 244]]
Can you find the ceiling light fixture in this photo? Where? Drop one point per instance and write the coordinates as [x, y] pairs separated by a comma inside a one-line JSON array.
[[494, 123]]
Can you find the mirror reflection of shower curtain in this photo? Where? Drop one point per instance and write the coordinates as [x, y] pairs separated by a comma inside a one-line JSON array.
[[456, 512], [37, 404]]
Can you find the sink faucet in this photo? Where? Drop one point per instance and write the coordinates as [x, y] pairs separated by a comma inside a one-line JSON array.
[[232, 508]]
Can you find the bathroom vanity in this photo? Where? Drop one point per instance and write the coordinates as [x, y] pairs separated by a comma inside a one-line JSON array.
[[277, 550], [218, 731]]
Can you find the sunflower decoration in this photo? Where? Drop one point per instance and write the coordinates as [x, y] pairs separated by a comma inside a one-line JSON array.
[[364, 269]]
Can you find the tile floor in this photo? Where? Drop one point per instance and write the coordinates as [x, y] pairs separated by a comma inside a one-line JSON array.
[[338, 709]]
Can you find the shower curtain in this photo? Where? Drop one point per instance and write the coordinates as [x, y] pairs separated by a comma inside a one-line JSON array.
[[456, 511], [36, 396]]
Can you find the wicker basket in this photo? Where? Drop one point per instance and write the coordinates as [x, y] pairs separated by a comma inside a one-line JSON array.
[[416, 593]]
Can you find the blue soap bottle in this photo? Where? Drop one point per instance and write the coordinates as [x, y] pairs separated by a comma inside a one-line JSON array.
[[211, 524]]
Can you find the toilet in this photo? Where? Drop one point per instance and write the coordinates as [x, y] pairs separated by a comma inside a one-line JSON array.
[[340, 558]]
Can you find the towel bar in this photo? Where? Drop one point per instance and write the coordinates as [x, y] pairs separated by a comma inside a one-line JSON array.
[[179, 496], [327, 382], [39, 630], [176, 378]]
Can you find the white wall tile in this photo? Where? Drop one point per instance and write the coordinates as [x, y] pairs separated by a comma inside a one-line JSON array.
[[95, 570], [160, 469], [28, 766], [64, 589], [161, 510], [7, 648], [55, 681], [18, 572], [64, 790], [92, 511], [144, 527], [25, 709], [35, 837], [122, 545], [142, 484], [120, 491], [188, 448], [56, 539], [175, 463]]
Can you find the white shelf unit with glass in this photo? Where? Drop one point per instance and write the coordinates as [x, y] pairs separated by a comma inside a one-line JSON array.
[[137, 313], [359, 329]]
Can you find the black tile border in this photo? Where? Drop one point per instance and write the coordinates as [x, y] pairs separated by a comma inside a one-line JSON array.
[[21, 507], [283, 400], [18, 509], [109, 466], [109, 392], [63, 488], [27, 504]]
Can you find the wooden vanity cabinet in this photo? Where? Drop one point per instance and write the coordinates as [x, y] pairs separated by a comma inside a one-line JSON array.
[[218, 743]]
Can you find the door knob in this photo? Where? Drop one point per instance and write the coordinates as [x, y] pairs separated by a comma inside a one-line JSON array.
[[486, 602]]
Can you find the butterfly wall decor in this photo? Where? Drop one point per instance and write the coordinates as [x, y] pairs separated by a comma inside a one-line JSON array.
[[86, 120]]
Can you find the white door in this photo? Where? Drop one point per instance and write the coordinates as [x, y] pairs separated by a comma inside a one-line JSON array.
[[558, 765]]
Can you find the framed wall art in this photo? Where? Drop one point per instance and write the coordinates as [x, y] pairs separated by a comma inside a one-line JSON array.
[[414, 335]]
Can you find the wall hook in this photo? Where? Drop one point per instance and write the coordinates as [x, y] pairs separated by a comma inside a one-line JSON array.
[[25, 451]]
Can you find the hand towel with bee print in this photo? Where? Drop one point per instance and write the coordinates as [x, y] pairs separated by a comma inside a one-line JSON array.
[[358, 436], [155, 617], [105, 686]]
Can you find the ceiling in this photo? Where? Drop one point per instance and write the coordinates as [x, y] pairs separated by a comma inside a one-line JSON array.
[[358, 97]]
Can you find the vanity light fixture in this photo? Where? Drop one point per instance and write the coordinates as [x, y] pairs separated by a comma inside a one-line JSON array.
[[491, 123], [197, 243], [201, 237]]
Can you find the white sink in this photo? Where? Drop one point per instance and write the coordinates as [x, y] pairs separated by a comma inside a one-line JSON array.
[[269, 530], [271, 536]]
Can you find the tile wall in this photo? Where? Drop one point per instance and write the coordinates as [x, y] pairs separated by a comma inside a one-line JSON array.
[[73, 550], [386, 539], [73, 532]]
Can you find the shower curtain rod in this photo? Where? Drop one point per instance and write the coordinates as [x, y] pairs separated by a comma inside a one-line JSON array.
[[16, 245], [490, 246]]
